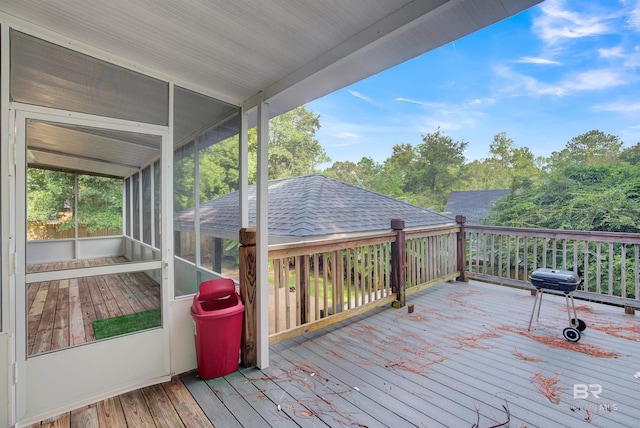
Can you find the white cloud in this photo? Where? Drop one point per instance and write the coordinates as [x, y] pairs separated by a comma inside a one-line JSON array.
[[619, 107], [615, 52], [595, 80], [346, 134], [634, 18], [557, 22], [361, 96], [447, 109], [519, 84], [409, 100], [537, 60]]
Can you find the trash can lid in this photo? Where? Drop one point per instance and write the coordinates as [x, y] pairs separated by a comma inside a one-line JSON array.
[[216, 289]]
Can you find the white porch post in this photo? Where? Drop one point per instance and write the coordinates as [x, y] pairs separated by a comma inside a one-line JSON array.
[[262, 236], [244, 169]]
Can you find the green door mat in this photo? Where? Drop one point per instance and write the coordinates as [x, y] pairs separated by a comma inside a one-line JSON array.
[[129, 323]]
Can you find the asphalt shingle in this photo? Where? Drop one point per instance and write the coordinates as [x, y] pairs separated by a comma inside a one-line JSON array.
[[310, 206], [473, 204]]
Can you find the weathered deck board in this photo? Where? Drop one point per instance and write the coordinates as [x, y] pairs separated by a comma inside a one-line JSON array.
[[212, 406], [87, 417], [162, 411], [455, 361], [187, 408], [135, 409], [61, 313], [110, 413]]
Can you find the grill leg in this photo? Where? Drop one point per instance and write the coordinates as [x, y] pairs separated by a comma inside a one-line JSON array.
[[573, 304], [533, 311], [566, 299], [540, 305]]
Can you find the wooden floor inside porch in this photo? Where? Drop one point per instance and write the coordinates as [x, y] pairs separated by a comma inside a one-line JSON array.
[[61, 313], [462, 358]]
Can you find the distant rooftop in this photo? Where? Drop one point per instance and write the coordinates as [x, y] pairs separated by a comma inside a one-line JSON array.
[[311, 206], [473, 204]]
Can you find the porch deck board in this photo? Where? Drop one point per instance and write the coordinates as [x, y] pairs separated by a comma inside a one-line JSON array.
[[456, 360], [212, 406], [61, 313]]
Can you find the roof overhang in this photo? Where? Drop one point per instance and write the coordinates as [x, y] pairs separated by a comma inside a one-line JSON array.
[[290, 51]]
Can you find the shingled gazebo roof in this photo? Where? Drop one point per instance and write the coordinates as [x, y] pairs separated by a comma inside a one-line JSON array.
[[473, 204], [311, 206]]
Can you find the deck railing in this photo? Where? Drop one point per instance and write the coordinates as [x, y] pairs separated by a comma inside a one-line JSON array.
[[316, 283], [608, 263], [431, 256]]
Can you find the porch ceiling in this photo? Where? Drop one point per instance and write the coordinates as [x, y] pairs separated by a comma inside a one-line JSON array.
[[292, 51]]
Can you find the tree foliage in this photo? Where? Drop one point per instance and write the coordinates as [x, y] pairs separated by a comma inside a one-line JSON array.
[[293, 148], [51, 198], [591, 148], [593, 183], [438, 164], [589, 186]]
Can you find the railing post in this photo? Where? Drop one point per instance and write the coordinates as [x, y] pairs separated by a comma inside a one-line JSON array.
[[248, 351], [398, 263], [462, 249]]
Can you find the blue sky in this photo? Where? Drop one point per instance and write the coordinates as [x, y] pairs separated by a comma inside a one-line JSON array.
[[551, 73]]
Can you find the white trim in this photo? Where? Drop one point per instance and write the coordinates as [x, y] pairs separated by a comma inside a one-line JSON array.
[[196, 198], [19, 211], [166, 225], [7, 183], [152, 185], [140, 208], [83, 48], [85, 375], [243, 167], [124, 207], [48, 114], [130, 206], [76, 249], [57, 275], [262, 237], [40, 374]]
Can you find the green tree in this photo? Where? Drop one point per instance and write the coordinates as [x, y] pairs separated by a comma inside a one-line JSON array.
[[438, 166], [631, 154], [345, 171], [219, 174], [99, 203], [49, 194], [402, 158], [591, 148], [293, 148], [577, 197], [51, 197]]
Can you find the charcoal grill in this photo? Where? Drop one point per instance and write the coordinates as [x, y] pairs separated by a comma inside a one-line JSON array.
[[563, 281]]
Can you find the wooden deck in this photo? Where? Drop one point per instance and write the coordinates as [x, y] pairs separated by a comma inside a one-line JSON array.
[[462, 358], [61, 313]]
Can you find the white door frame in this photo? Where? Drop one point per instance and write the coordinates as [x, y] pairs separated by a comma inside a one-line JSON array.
[[55, 382]]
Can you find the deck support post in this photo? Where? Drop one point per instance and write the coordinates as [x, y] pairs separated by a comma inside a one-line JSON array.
[[461, 249], [248, 350], [398, 263]]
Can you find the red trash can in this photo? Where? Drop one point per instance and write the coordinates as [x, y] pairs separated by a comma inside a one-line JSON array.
[[217, 314]]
